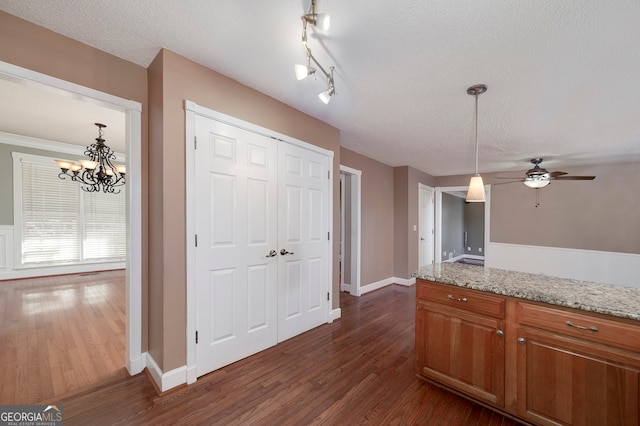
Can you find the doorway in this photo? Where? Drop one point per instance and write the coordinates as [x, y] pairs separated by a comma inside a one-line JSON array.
[[133, 356], [447, 251], [350, 228]]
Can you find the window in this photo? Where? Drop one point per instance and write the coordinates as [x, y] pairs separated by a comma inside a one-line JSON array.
[[56, 222]]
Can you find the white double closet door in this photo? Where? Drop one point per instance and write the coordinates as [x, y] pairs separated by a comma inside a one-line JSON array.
[[262, 255]]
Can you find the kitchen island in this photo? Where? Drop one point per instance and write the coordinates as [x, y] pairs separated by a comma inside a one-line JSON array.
[[542, 349]]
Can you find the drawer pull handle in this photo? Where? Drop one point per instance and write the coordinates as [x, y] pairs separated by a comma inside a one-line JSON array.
[[581, 327], [463, 299]]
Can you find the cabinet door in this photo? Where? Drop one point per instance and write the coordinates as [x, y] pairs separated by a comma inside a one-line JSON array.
[[461, 350], [562, 381]]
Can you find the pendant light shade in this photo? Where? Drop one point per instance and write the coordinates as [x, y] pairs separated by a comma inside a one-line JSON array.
[[476, 193]]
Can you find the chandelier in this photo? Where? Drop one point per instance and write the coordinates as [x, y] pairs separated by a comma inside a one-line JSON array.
[[98, 173]]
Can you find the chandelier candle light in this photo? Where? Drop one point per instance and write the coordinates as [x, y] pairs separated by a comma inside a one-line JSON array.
[[321, 21], [98, 173], [476, 194]]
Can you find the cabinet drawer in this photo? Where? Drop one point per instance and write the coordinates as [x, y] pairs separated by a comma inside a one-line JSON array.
[[611, 332], [461, 298]]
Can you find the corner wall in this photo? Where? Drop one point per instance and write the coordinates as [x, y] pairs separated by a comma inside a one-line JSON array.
[[180, 79], [35, 48]]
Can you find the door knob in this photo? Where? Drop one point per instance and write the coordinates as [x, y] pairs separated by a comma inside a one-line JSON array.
[[284, 251], [272, 253]]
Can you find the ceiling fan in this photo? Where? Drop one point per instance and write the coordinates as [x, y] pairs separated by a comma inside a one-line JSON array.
[[538, 177]]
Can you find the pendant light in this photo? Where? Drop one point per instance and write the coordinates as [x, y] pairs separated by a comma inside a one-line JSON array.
[[476, 194]]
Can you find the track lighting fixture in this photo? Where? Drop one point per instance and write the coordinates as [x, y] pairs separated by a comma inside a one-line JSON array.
[[321, 21]]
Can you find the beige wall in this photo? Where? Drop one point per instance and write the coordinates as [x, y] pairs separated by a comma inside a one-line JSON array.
[[599, 215], [406, 216], [377, 225], [602, 214], [180, 79], [30, 46]]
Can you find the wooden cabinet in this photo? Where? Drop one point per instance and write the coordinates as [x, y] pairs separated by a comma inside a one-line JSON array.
[[544, 364], [460, 340], [575, 369]]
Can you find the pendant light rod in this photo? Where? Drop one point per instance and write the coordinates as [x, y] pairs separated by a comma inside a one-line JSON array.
[[476, 91]]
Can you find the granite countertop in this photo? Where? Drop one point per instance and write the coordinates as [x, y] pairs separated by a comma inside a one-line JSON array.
[[602, 298]]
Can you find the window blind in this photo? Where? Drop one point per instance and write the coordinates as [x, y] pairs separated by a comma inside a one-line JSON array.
[[62, 224]]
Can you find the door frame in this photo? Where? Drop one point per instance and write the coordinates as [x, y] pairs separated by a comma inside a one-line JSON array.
[[192, 110], [423, 187], [134, 360], [438, 228], [356, 226]]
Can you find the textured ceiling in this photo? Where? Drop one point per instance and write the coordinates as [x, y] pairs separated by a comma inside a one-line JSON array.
[[563, 76]]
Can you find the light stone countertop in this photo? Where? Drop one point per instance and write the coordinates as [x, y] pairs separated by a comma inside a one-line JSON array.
[[602, 298]]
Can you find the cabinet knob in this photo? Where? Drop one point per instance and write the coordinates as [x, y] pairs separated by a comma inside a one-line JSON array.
[[521, 340], [500, 333]]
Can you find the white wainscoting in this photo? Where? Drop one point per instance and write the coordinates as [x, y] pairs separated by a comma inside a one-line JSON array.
[[587, 265], [6, 248]]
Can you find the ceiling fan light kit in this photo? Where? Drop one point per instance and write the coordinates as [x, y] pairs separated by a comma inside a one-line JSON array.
[[476, 193], [322, 22]]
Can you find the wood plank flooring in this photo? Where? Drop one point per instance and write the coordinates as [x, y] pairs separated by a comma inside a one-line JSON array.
[[60, 335], [358, 370]]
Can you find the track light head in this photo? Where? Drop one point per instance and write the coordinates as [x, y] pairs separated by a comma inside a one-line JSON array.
[[326, 95], [322, 21], [303, 71]]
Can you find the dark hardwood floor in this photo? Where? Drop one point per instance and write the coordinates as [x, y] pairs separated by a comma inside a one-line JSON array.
[[358, 370]]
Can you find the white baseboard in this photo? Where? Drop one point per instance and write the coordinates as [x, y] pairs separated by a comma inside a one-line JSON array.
[[168, 380], [621, 269], [405, 282], [192, 375], [345, 287], [387, 281], [137, 365], [334, 314]]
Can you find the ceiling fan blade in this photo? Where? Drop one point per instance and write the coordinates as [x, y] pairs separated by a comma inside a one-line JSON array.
[[556, 174], [574, 178], [510, 177], [511, 181]]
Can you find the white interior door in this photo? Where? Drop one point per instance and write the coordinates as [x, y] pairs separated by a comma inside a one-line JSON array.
[[236, 227], [426, 225], [303, 239]]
